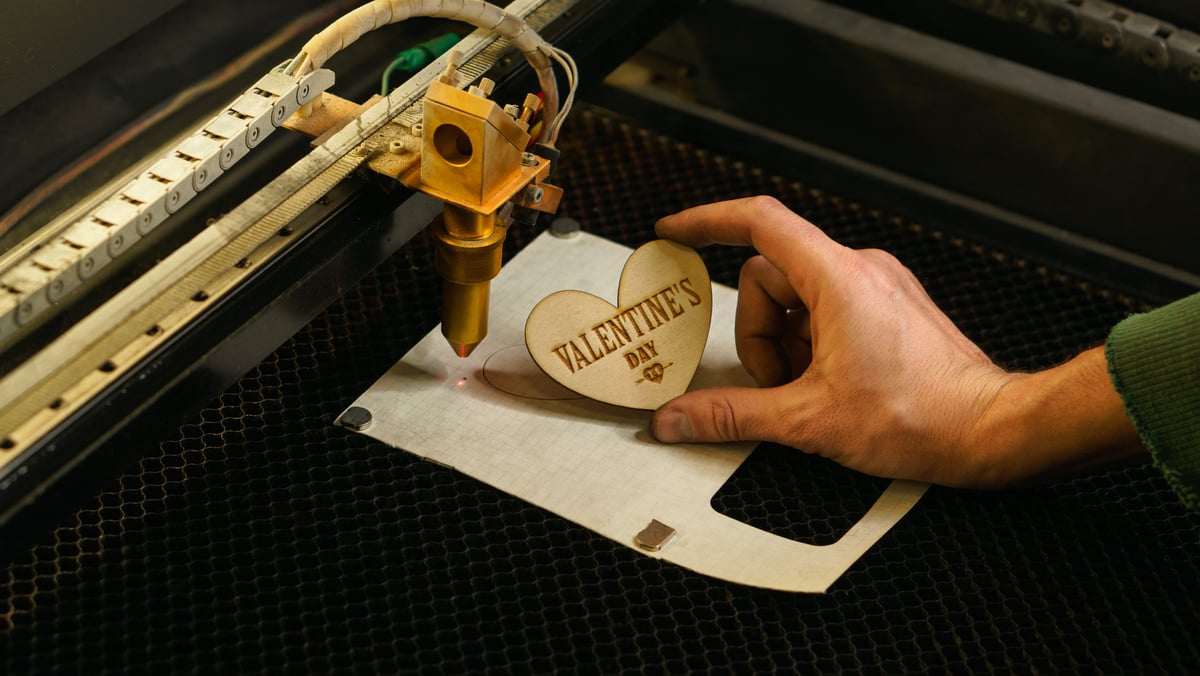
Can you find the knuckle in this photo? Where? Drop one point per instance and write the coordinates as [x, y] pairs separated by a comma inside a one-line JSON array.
[[895, 266], [765, 205], [884, 269], [724, 420], [881, 257]]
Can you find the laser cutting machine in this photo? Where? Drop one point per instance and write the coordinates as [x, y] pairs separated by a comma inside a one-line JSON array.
[[221, 221]]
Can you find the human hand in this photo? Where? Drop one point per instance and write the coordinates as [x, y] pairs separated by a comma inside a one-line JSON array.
[[856, 363]]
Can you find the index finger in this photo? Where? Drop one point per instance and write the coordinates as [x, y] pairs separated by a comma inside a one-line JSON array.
[[793, 245]]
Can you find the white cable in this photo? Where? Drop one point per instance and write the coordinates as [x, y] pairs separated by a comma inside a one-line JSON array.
[[572, 71], [343, 32]]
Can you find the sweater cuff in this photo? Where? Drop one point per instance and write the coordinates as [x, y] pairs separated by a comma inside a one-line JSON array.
[[1154, 362]]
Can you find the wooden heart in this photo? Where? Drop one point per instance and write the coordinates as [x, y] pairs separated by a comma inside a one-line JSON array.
[[640, 354]]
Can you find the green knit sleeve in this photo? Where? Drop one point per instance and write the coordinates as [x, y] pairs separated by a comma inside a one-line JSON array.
[[1154, 361]]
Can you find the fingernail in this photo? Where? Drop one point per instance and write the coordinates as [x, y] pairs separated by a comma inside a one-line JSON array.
[[672, 427]]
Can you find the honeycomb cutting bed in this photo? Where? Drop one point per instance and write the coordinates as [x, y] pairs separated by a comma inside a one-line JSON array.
[[260, 537]]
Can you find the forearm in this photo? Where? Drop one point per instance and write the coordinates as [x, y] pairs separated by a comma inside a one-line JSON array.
[[1055, 423]]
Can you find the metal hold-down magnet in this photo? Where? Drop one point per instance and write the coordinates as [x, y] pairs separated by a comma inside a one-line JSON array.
[[654, 536], [356, 418]]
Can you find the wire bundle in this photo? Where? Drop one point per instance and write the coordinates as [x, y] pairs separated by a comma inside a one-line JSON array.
[[572, 70], [343, 32]]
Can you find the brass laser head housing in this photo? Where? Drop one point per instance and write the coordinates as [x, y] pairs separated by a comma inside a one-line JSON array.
[[473, 158], [467, 265], [469, 153], [472, 148]]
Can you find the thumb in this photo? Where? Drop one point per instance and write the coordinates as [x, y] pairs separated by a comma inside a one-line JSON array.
[[720, 414]]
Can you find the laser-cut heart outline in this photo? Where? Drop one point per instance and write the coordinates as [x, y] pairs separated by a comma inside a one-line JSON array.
[[644, 351]]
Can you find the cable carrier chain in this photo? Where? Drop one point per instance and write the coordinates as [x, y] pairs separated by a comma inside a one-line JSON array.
[[78, 251]]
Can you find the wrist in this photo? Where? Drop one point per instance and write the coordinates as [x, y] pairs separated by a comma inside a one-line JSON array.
[[1055, 423]]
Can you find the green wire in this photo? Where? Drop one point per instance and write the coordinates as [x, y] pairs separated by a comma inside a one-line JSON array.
[[415, 58], [385, 85]]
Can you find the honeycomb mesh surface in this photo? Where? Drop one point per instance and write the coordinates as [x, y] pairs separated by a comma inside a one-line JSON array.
[[259, 537]]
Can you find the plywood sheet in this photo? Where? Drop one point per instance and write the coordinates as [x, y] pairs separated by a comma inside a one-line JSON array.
[[496, 417]]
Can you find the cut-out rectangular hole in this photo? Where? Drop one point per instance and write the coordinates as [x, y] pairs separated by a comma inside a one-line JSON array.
[[797, 495]]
